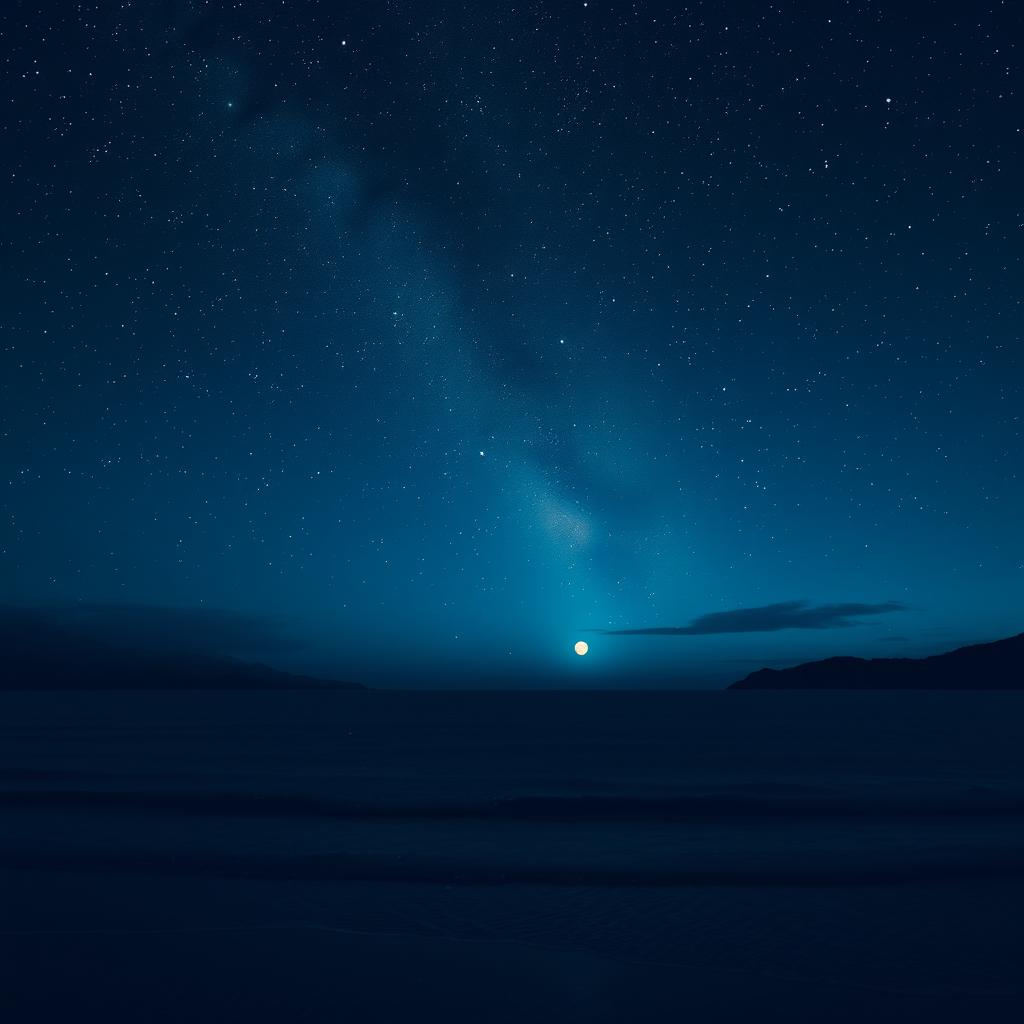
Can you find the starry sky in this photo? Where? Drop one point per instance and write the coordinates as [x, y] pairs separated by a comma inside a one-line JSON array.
[[428, 338]]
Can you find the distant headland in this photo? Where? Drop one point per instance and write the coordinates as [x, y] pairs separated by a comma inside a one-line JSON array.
[[993, 666], [44, 650]]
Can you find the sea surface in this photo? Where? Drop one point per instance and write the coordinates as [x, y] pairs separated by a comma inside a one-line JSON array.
[[515, 856]]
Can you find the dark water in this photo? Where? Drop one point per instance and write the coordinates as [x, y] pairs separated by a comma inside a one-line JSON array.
[[473, 856]]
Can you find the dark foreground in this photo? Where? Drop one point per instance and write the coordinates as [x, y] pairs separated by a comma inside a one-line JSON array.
[[509, 857]]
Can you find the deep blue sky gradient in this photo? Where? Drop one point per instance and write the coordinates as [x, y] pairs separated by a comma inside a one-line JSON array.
[[440, 334]]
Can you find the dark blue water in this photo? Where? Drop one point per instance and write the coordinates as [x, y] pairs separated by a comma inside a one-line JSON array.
[[600, 856]]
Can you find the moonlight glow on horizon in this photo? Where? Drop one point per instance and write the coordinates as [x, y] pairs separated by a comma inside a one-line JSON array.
[[455, 370]]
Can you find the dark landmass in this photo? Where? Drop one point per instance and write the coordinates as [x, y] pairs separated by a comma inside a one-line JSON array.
[[38, 654], [125, 673], [993, 666]]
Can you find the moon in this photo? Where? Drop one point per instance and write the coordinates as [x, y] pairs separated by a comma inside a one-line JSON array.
[[581, 647]]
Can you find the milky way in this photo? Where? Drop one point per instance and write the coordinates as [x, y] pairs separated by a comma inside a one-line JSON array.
[[442, 333]]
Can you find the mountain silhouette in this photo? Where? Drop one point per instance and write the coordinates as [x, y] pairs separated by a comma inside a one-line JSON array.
[[993, 666], [40, 652]]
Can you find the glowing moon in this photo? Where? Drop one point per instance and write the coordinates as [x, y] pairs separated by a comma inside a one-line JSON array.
[[581, 647]]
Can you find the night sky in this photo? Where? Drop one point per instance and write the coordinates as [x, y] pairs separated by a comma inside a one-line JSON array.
[[429, 338]]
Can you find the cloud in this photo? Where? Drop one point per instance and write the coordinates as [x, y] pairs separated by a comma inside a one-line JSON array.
[[769, 618]]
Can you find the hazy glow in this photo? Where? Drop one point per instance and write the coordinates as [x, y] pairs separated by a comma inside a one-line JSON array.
[[581, 647]]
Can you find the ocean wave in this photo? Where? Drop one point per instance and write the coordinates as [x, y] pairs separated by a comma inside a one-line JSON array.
[[925, 866], [711, 808]]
